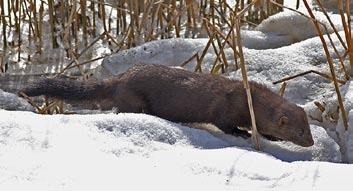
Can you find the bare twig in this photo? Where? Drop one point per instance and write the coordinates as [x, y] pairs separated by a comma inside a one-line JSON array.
[[189, 60], [86, 62], [308, 72]]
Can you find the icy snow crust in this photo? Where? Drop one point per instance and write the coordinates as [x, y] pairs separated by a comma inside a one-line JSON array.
[[137, 151]]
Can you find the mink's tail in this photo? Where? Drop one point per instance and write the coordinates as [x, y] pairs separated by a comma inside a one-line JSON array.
[[67, 89]]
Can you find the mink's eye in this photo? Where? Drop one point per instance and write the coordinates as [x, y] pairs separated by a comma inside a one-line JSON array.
[[282, 121]]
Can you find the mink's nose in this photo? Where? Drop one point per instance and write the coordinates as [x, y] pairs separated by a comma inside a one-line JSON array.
[[308, 142]]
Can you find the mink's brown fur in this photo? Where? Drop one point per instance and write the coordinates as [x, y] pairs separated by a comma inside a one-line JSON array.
[[182, 96]]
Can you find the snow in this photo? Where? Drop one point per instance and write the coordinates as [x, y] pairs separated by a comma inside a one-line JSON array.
[[170, 52], [137, 151], [346, 137], [143, 152], [297, 26], [10, 101], [271, 33]]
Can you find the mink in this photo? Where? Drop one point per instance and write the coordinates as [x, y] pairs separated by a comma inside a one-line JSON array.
[[182, 96]]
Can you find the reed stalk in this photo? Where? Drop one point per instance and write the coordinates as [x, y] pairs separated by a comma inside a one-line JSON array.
[[330, 62]]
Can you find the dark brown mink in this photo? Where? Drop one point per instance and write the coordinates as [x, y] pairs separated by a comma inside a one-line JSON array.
[[182, 96]]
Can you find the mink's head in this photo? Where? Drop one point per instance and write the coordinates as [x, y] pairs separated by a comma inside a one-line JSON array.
[[280, 118], [288, 122]]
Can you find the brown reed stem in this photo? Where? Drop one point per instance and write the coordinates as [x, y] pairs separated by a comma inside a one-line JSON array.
[[347, 33], [254, 134], [83, 4], [348, 13], [86, 62], [199, 60], [332, 70], [189, 60], [331, 23], [52, 23], [9, 12], [29, 100], [18, 26], [40, 21], [4, 24]]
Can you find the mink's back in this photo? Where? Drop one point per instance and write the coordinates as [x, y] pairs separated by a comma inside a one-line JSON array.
[[180, 95]]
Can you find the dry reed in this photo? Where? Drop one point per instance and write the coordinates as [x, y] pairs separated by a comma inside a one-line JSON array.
[[73, 24]]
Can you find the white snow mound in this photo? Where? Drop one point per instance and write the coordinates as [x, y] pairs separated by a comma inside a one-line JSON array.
[[137, 151], [10, 101], [295, 26]]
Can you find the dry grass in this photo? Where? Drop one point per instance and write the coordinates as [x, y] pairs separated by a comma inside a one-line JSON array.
[[48, 107], [74, 25]]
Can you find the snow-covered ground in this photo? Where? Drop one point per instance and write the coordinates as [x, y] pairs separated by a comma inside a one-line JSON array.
[[138, 151]]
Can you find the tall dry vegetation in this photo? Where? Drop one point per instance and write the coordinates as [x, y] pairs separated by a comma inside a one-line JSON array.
[[74, 26]]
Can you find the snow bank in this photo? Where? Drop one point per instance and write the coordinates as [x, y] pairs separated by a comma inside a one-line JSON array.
[[297, 26], [137, 151], [11, 101], [169, 52], [286, 28]]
